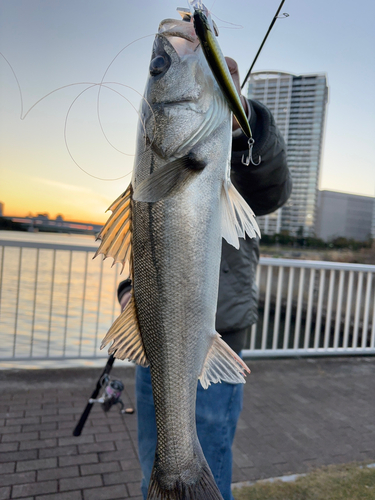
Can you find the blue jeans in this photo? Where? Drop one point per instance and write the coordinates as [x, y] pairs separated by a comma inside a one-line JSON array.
[[217, 413]]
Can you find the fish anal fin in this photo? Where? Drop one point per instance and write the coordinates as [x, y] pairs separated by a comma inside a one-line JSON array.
[[168, 179], [126, 337], [222, 364], [238, 220], [116, 234]]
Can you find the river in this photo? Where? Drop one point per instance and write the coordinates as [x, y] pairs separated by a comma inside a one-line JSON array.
[[54, 303]]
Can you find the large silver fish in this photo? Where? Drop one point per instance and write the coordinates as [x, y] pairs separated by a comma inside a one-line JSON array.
[[168, 226]]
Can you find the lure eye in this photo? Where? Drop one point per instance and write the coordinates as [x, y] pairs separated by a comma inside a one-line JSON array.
[[159, 65]]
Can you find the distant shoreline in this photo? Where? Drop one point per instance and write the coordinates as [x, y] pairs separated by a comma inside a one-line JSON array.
[[43, 224]]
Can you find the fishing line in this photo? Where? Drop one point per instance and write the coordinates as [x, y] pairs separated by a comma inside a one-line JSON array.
[[235, 26], [105, 85], [91, 85], [23, 116], [99, 91], [18, 83]]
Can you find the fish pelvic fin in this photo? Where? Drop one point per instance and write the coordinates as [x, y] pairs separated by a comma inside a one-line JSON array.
[[204, 487], [222, 364], [238, 220], [116, 234], [126, 336]]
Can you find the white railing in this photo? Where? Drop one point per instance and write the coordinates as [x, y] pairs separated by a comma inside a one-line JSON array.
[[56, 303], [313, 308]]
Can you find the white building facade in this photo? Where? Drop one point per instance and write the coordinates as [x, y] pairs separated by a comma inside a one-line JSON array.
[[298, 104]]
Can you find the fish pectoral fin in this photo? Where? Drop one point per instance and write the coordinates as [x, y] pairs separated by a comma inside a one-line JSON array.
[[116, 234], [237, 217], [126, 336], [167, 179], [222, 364]]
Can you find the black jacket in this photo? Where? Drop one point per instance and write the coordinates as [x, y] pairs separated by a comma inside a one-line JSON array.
[[265, 188]]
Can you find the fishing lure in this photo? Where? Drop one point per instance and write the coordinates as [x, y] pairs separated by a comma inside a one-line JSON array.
[[206, 32]]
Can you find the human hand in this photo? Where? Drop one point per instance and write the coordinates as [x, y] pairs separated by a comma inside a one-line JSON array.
[[233, 70]]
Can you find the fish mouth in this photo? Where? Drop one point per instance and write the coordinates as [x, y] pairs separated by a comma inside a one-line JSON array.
[[191, 103], [180, 34], [175, 27]]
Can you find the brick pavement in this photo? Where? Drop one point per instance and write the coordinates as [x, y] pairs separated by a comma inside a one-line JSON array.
[[298, 414]]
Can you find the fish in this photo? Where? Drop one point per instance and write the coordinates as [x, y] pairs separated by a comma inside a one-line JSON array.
[[167, 229]]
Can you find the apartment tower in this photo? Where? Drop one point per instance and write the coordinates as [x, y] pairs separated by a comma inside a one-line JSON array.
[[298, 104]]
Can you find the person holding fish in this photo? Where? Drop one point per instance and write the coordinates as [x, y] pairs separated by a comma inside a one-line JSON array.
[[185, 230]]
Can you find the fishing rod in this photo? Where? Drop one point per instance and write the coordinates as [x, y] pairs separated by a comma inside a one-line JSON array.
[[111, 396], [264, 41], [108, 367]]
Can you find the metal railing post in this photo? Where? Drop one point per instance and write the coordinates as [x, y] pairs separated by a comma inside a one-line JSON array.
[[17, 302], [312, 307]]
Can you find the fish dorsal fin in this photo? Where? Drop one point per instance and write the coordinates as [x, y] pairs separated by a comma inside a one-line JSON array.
[[116, 235], [238, 219], [222, 364], [167, 179], [126, 336]]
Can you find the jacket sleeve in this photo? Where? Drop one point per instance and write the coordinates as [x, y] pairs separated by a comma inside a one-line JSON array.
[[265, 187]]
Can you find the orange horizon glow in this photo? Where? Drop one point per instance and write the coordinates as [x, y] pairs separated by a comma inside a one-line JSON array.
[[80, 217]]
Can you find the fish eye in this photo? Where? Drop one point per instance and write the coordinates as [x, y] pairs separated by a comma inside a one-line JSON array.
[[159, 65]]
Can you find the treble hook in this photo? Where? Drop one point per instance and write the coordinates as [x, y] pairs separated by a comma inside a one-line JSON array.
[[249, 159]]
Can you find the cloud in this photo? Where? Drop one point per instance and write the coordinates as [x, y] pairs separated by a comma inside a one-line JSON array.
[[65, 187]]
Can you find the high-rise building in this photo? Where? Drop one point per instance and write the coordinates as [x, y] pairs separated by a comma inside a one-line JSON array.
[[1, 209], [298, 104]]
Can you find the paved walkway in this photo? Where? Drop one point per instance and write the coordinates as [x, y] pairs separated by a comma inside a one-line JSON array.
[[297, 414]]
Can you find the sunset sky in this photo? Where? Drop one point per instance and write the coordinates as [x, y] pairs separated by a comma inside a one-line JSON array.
[[51, 44]]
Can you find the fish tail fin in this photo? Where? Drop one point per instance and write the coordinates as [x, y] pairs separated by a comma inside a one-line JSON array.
[[203, 488]]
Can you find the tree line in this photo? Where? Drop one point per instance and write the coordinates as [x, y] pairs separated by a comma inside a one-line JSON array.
[[285, 239]]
